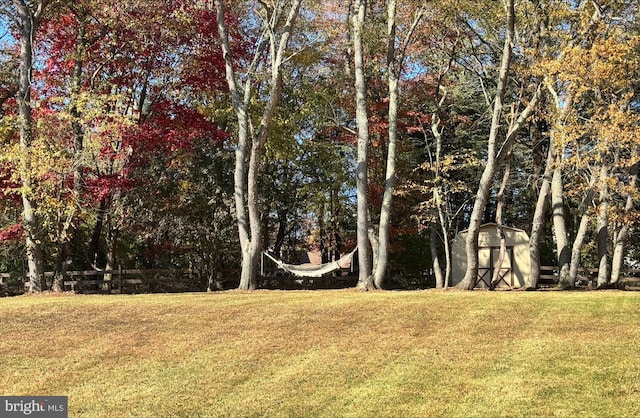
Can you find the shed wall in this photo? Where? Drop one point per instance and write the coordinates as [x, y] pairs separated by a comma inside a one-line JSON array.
[[488, 238]]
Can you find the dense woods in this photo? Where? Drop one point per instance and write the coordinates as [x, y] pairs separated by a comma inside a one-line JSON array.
[[198, 134]]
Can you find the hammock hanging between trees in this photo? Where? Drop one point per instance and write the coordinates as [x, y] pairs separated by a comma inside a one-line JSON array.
[[312, 270]]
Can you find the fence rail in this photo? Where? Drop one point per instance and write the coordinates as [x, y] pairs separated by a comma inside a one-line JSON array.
[[150, 280], [166, 280], [549, 275]]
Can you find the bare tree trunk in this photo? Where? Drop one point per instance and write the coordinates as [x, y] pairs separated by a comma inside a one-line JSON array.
[[576, 249], [537, 225], [439, 200], [380, 267], [578, 241], [27, 21], [471, 274], [57, 284], [112, 239], [447, 258], [246, 183], [560, 230], [365, 280], [624, 231], [437, 270], [239, 179], [385, 210], [603, 229], [394, 67], [495, 279], [375, 247]]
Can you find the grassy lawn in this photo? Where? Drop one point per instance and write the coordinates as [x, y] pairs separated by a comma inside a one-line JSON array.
[[327, 353]]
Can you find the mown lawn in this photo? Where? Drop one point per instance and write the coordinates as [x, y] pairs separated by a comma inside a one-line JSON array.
[[327, 353]]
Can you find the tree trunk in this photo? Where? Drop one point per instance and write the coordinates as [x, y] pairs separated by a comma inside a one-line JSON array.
[[387, 198], [617, 260], [560, 230], [437, 270], [246, 183], [111, 240], [576, 249], [365, 281], [603, 229], [62, 263], [385, 210], [484, 187], [495, 278], [27, 23], [447, 258], [537, 224], [578, 241], [439, 199], [281, 233]]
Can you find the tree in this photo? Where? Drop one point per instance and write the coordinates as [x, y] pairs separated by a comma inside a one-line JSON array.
[[395, 58], [358, 17], [117, 98], [26, 16], [493, 158], [276, 24], [588, 81]]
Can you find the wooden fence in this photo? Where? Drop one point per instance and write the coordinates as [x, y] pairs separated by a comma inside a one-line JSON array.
[[587, 277], [121, 280], [174, 280]]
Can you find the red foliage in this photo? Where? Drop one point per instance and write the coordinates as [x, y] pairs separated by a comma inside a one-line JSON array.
[[169, 128], [12, 233], [102, 187], [8, 186]]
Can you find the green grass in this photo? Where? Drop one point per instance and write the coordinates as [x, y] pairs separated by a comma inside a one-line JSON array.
[[327, 353]]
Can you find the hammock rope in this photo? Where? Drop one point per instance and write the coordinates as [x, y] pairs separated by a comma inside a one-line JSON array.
[[312, 270]]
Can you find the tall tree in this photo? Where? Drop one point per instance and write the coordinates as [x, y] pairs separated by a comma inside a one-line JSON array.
[[358, 17], [395, 58], [493, 159], [588, 79], [276, 26], [27, 17], [626, 219]]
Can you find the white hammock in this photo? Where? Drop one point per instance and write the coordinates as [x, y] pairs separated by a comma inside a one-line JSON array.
[[312, 270]]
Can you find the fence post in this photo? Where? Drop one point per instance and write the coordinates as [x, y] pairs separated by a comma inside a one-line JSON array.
[[120, 278]]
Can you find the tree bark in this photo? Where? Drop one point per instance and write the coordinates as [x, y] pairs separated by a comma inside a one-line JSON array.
[[439, 197], [437, 269], [394, 67], [578, 241], [27, 21], [617, 260], [471, 247], [495, 278], [387, 198], [560, 229], [603, 229], [246, 189], [576, 249], [537, 224], [365, 280]]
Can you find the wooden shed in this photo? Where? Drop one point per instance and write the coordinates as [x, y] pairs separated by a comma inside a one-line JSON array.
[[515, 267]]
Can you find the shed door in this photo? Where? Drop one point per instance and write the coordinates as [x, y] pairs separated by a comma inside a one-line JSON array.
[[487, 259]]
